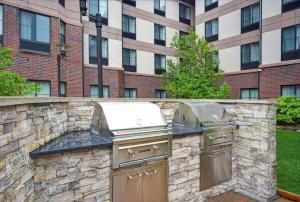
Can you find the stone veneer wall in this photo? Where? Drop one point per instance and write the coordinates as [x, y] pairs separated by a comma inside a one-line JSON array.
[[84, 175]]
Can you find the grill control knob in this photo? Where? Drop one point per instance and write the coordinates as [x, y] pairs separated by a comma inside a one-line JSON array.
[[156, 148], [131, 152]]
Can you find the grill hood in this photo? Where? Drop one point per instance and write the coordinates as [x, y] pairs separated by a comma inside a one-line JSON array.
[[120, 118], [193, 114]]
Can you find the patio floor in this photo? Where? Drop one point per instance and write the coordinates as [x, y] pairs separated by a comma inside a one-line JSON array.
[[235, 197]]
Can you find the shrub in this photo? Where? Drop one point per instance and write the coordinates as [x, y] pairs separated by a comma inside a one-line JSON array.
[[288, 110]]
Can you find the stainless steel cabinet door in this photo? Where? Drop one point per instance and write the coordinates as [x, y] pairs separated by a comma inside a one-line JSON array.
[[155, 188], [215, 168], [127, 187]]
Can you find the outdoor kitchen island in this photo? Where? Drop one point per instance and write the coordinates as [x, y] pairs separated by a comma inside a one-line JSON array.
[[76, 165]]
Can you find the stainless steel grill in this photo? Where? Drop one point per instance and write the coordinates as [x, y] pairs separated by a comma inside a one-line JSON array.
[[139, 131], [215, 143]]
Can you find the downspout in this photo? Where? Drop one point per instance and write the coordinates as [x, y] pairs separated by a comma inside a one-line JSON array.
[[260, 49], [82, 55]]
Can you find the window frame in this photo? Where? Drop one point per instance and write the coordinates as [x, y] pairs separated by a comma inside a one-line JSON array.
[[289, 6], [35, 81], [93, 60], [293, 54], [160, 91], [128, 34], [183, 19], [2, 25], [131, 89], [253, 26], [65, 84], [61, 22], [33, 45], [96, 86], [159, 41], [159, 70], [214, 37], [104, 20], [129, 68], [210, 6], [159, 11], [130, 2], [293, 85], [251, 64], [249, 89]]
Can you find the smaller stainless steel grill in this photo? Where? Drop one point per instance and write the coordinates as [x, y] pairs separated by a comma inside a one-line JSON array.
[[215, 143]]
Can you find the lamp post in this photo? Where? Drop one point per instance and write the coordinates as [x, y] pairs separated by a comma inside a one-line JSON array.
[[97, 18], [59, 56]]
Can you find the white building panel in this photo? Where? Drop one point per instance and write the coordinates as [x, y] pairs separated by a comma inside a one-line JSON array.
[[271, 8], [115, 53], [146, 5], [144, 31], [172, 9], [170, 32], [230, 59], [230, 24], [86, 48], [200, 30], [145, 62], [271, 47], [115, 14]]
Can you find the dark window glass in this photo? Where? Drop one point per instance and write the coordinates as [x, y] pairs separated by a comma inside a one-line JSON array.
[[159, 34], [212, 30], [94, 92], [291, 43], [250, 56], [62, 32], [182, 33], [160, 93], [160, 7], [129, 2], [293, 90], [184, 13], [62, 2], [93, 50], [1, 24], [45, 89], [99, 6], [129, 26], [215, 58], [160, 63], [63, 89], [249, 93], [210, 4], [250, 18], [35, 31], [129, 60], [288, 5], [130, 93]]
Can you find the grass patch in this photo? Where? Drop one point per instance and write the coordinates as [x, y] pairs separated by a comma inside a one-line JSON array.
[[288, 160]]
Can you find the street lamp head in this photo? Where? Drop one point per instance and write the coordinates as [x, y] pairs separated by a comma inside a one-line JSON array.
[[83, 7]]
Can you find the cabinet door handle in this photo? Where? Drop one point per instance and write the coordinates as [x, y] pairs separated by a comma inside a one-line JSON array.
[[130, 177], [149, 172]]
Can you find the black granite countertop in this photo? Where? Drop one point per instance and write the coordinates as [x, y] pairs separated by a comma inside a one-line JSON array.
[[72, 141], [182, 131]]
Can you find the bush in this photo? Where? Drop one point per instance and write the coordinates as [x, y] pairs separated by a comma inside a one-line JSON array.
[[288, 110]]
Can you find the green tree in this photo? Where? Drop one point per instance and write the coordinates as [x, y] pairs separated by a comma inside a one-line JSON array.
[[195, 74], [12, 84]]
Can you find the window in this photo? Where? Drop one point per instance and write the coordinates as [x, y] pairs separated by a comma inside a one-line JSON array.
[[159, 34], [93, 50], [129, 27], [99, 6], [45, 88], [249, 94], [210, 4], [129, 2], [250, 18], [160, 94], [62, 31], [1, 24], [291, 43], [130, 93], [288, 5], [94, 91], [212, 30], [184, 14], [35, 32], [215, 58], [160, 7], [129, 60], [182, 33], [160, 63], [63, 89], [250, 56], [61, 2], [293, 90]]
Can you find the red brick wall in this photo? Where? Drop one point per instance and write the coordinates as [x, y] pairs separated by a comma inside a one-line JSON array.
[[145, 85], [112, 78], [271, 79], [44, 67], [238, 81]]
